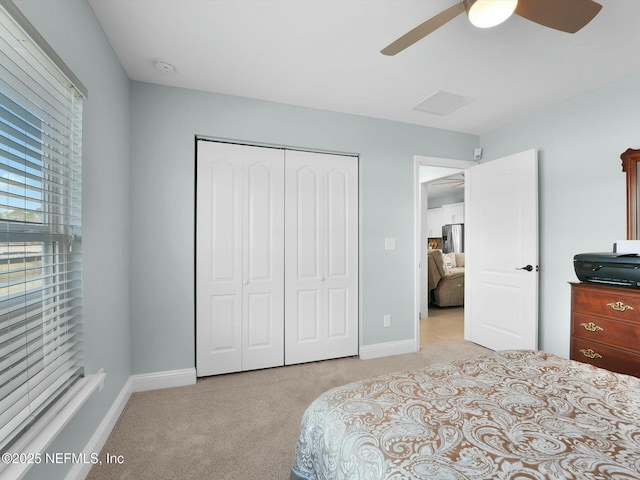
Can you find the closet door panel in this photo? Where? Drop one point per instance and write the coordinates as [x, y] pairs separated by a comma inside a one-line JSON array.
[[308, 317], [337, 227], [263, 276], [308, 234], [225, 233], [304, 257], [341, 282], [218, 260], [260, 221], [239, 258], [338, 313], [321, 260], [224, 334], [259, 321]]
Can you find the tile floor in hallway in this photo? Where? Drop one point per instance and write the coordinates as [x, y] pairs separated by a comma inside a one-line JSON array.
[[444, 325]]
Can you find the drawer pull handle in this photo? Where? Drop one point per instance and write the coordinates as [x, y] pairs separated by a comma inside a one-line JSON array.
[[592, 327], [590, 353], [619, 306]]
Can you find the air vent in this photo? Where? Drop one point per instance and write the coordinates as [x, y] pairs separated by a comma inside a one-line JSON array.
[[442, 103]]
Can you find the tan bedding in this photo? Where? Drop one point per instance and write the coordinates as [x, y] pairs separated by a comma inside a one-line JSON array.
[[507, 415]]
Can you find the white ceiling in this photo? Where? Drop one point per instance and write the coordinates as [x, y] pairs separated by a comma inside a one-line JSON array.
[[326, 54]]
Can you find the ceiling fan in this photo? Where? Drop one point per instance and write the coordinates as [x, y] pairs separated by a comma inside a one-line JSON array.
[[564, 15], [454, 181]]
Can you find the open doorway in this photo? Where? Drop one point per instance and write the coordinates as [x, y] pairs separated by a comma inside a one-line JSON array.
[[443, 236], [439, 296]]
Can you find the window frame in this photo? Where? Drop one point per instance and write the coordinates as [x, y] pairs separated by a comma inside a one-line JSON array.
[[33, 441]]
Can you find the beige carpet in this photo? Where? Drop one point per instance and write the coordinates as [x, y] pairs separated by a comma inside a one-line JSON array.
[[238, 426]]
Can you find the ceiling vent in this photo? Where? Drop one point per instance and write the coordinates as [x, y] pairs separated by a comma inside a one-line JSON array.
[[442, 103]]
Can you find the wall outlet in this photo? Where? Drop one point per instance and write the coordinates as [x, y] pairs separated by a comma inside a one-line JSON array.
[[387, 320]]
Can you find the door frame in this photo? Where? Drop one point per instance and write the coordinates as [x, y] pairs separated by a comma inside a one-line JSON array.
[[418, 161]]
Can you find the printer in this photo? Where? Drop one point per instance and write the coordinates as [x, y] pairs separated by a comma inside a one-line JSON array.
[[617, 269]]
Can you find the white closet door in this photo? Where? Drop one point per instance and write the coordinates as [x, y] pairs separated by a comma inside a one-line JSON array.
[[239, 258], [321, 244], [263, 262], [218, 259]]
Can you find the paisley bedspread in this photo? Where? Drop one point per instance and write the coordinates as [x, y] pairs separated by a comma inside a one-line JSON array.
[[507, 415]]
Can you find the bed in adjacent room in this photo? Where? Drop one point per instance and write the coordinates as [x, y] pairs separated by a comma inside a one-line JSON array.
[[506, 415]]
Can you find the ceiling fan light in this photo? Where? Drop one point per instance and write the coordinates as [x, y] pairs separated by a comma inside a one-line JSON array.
[[489, 13]]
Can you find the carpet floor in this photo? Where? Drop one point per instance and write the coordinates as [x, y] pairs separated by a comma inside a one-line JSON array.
[[238, 426]]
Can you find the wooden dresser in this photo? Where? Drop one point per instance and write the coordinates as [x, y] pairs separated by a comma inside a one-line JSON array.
[[605, 327]]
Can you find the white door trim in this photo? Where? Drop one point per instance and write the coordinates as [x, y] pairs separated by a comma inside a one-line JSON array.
[[424, 160]]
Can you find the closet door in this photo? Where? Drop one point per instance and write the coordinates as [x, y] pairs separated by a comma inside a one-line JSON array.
[[239, 258], [321, 265], [263, 258]]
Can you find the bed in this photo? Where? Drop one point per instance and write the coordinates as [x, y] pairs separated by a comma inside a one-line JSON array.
[[506, 415]]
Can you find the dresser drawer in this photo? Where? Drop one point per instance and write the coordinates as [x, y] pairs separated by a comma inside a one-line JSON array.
[[605, 330], [605, 356], [606, 301]]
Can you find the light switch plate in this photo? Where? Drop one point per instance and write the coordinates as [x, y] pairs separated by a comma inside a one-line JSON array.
[[389, 243]]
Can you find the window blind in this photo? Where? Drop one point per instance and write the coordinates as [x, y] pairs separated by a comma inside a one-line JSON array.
[[40, 221]]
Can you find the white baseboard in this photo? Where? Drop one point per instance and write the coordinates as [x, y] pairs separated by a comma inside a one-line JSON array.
[[79, 471], [158, 380], [387, 349]]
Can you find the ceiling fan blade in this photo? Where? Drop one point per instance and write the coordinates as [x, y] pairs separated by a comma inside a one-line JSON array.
[[564, 15], [423, 29]]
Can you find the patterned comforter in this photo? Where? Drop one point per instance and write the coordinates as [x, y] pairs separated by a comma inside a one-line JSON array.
[[507, 415]]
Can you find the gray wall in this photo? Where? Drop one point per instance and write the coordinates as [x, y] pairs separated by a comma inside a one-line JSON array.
[[164, 123], [581, 187], [73, 31]]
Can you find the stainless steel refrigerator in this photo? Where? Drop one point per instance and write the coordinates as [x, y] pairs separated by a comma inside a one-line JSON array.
[[453, 238]]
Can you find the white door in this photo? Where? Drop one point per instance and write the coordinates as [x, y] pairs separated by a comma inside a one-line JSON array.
[[263, 262], [239, 258], [321, 266], [501, 252]]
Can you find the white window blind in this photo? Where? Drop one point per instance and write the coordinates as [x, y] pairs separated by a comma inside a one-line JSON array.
[[40, 258]]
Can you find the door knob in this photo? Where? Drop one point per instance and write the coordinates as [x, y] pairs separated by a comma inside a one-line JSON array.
[[528, 268]]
